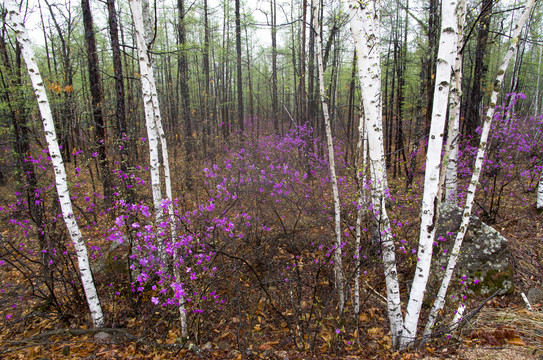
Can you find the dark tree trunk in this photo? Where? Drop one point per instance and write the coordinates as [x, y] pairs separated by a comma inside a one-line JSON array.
[[302, 97], [207, 120], [275, 104], [97, 99], [183, 75], [251, 105], [433, 36], [312, 108], [120, 104], [351, 113], [239, 72], [16, 110], [475, 95]]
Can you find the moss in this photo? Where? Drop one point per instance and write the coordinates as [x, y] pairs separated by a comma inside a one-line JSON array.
[[491, 281]]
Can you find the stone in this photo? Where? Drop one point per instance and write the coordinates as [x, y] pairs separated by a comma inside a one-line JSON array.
[[267, 353], [103, 337], [484, 263], [535, 296], [207, 346]]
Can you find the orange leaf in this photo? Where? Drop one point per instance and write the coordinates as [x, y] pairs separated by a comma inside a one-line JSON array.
[[516, 341]]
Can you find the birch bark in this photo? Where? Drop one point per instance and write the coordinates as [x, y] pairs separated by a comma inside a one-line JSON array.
[[361, 163], [365, 28], [331, 161], [146, 75], [451, 182], [156, 134], [440, 298], [445, 60], [24, 41]]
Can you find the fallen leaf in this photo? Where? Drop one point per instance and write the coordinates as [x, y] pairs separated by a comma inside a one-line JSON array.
[[516, 341]]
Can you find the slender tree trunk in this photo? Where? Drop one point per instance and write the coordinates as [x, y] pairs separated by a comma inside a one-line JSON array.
[[97, 97], [312, 110], [440, 298], [351, 113], [23, 39], [22, 150], [302, 97], [123, 140], [331, 162], [155, 133], [431, 59], [536, 108], [275, 101], [453, 133], [207, 120], [361, 170], [475, 95], [45, 39], [182, 66], [365, 29], [239, 67], [152, 132], [445, 61], [249, 81]]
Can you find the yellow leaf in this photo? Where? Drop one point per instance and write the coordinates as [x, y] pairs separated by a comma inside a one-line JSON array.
[[375, 333], [326, 336], [516, 341]]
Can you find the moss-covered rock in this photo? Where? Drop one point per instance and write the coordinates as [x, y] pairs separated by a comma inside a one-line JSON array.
[[484, 263]]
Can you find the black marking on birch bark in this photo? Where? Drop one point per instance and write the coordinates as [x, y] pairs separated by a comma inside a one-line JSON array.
[[433, 222]]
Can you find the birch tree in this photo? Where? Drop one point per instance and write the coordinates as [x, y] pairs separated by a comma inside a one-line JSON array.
[[155, 132], [451, 175], [440, 299], [361, 160], [23, 38], [445, 60], [331, 161], [365, 28], [147, 78]]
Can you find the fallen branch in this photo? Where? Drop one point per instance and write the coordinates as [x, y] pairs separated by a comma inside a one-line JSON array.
[[118, 333]]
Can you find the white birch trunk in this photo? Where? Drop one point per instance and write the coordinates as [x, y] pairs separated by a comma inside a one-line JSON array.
[[458, 316], [445, 60], [146, 75], [361, 153], [23, 39], [331, 161], [365, 29], [440, 298], [155, 132], [451, 182], [539, 202]]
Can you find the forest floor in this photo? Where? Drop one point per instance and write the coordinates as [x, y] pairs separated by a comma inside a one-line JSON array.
[[503, 329]]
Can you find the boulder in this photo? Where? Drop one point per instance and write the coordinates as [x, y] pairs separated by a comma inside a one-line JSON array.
[[484, 264], [535, 296]]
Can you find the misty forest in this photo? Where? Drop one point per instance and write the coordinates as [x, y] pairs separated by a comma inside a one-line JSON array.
[[264, 179]]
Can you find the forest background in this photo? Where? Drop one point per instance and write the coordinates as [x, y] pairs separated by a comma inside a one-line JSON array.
[[243, 248]]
